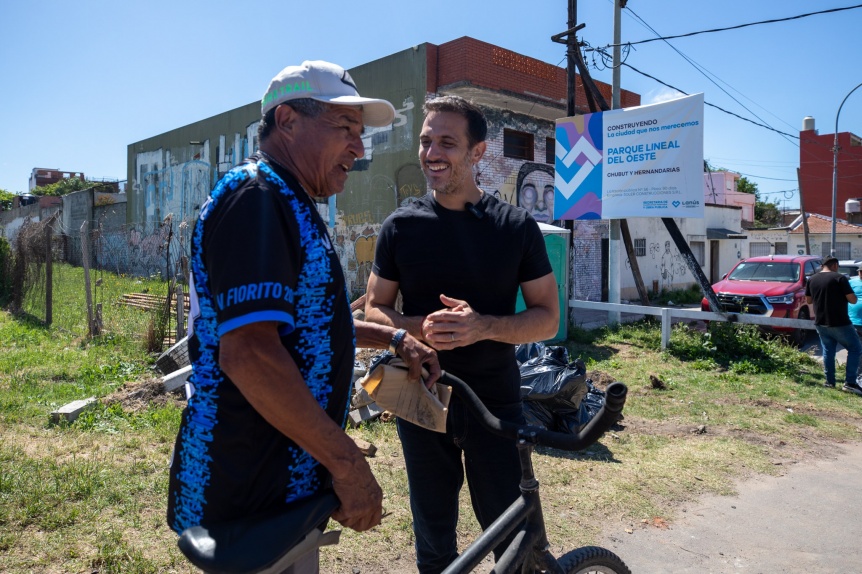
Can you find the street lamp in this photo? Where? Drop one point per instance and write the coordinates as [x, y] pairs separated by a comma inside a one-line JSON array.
[[835, 169]]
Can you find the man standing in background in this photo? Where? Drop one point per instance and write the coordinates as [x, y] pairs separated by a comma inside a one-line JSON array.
[[830, 292]]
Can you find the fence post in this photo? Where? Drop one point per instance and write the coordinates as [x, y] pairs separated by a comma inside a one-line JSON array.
[[49, 274], [85, 261], [665, 327], [181, 312]]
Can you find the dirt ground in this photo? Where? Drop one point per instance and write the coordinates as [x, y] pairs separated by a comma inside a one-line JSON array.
[[772, 524], [805, 520]]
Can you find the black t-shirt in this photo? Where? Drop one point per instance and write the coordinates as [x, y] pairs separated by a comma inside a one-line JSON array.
[[829, 291], [260, 252], [430, 250]]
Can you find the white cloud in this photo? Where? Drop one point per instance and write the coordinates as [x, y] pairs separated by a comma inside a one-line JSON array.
[[660, 95]]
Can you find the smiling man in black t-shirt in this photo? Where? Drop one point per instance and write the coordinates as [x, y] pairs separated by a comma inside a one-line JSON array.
[[458, 257]]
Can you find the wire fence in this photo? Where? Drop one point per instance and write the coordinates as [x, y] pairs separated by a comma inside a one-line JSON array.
[[132, 276]]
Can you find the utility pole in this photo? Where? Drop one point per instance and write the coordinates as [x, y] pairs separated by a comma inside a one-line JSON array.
[[614, 224], [597, 102], [571, 46], [619, 228]]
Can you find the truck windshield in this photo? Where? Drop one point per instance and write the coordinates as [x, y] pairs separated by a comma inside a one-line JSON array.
[[766, 271]]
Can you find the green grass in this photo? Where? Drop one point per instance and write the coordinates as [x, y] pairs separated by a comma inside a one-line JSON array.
[[689, 296], [85, 495], [91, 495]]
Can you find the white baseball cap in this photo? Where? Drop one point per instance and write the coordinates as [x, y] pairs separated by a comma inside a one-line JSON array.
[[324, 82]]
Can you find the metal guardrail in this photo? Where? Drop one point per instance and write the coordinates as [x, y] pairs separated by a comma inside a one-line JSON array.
[[669, 313]]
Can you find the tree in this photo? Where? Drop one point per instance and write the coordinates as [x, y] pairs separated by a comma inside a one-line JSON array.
[[746, 186], [62, 187], [765, 213], [6, 198]]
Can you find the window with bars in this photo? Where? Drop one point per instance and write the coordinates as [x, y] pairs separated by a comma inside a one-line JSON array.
[[640, 247], [517, 145], [842, 249], [759, 248]]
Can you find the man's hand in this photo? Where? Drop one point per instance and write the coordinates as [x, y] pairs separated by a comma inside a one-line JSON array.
[[418, 355], [457, 325], [361, 499]]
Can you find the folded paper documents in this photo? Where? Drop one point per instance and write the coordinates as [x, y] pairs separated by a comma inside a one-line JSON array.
[[410, 400]]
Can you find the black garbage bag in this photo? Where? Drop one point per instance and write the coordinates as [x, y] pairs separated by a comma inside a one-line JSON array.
[[538, 415], [573, 420], [527, 351], [552, 379], [553, 389]]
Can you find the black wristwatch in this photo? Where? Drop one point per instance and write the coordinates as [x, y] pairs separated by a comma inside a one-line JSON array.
[[396, 340]]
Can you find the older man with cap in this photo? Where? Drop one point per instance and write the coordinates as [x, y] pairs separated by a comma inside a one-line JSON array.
[[271, 333], [830, 292]]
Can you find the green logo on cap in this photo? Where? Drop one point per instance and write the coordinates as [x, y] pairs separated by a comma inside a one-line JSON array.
[[285, 90]]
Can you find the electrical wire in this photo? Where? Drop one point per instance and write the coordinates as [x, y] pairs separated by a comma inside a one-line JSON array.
[[701, 69], [738, 26], [709, 104], [764, 177]]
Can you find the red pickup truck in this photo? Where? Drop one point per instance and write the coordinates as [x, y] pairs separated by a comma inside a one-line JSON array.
[[772, 286]]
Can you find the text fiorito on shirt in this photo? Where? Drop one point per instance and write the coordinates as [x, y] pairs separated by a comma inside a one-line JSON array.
[[254, 292]]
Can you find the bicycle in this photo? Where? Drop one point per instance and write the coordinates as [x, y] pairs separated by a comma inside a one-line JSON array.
[[260, 546]]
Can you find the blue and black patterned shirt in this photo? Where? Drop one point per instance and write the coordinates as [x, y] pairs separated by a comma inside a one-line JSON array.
[[260, 252]]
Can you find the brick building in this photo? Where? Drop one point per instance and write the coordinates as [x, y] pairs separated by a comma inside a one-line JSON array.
[[41, 176], [521, 96], [816, 160]]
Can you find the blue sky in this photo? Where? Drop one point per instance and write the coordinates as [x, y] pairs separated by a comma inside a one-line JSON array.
[[83, 80]]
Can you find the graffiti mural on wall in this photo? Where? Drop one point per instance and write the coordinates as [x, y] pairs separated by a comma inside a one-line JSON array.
[[669, 263], [535, 189], [586, 260], [138, 250], [531, 187], [394, 138], [355, 246]]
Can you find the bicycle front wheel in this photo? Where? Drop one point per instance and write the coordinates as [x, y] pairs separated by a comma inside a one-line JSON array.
[[593, 560]]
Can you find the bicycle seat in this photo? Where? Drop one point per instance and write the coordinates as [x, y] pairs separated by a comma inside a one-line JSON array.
[[253, 544]]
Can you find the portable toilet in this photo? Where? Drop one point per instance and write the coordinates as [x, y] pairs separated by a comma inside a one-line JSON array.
[[557, 246]]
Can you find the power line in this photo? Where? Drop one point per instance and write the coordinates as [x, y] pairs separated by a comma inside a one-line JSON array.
[[709, 104], [773, 21], [764, 177], [700, 69]]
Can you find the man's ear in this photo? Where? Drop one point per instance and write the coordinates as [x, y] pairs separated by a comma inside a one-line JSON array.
[[477, 152], [286, 120]]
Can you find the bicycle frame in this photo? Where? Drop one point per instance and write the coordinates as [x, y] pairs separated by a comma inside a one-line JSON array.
[[529, 549], [260, 544]]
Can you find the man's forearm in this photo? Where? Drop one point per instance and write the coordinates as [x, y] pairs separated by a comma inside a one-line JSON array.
[[388, 316], [534, 324], [266, 375]]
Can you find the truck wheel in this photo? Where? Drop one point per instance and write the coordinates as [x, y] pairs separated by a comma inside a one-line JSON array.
[[800, 335]]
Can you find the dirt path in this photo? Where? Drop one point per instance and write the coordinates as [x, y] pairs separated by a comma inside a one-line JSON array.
[[806, 520]]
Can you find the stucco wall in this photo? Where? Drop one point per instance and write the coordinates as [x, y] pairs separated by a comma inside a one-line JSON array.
[[662, 267]]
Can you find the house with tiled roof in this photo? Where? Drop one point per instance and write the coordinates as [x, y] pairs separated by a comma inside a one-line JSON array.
[[848, 237]]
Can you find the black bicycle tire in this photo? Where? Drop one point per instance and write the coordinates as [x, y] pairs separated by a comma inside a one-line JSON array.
[[579, 560]]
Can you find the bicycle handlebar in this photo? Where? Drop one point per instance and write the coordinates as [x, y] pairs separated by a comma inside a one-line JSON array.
[[615, 398]]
